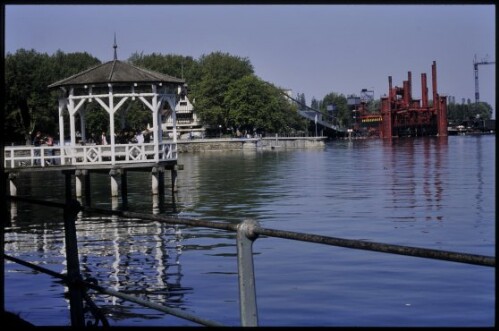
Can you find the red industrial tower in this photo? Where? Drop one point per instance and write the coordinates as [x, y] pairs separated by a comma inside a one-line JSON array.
[[404, 116]]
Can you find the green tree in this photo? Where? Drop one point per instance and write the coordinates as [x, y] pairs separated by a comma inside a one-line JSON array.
[[217, 71], [459, 113], [314, 104], [170, 64], [482, 110], [302, 103], [26, 94], [63, 65], [29, 105], [344, 114], [255, 105]]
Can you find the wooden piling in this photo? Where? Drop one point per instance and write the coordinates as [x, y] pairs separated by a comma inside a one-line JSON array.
[[157, 180], [174, 180], [13, 184], [113, 174]]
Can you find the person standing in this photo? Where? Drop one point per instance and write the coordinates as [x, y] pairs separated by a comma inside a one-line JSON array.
[[37, 142], [139, 137], [103, 138], [50, 142]]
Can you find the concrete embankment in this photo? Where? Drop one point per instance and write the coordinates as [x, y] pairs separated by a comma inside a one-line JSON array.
[[202, 145]]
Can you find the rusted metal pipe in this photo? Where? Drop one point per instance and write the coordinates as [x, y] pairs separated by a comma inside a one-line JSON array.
[[381, 247], [406, 94], [424, 91], [409, 85], [434, 84], [390, 91]]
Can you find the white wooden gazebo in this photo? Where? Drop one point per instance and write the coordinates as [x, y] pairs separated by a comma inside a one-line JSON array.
[[113, 85]]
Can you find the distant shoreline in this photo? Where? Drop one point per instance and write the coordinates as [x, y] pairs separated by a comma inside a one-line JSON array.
[[267, 143]]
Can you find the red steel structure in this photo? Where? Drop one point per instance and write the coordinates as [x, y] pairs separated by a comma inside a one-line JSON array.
[[401, 115]]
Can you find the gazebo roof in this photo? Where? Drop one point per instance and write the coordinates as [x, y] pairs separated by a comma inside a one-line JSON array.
[[116, 72]]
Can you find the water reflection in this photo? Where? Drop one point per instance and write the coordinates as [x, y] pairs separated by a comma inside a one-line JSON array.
[[133, 257], [406, 160], [143, 258], [423, 192], [480, 183], [224, 185]]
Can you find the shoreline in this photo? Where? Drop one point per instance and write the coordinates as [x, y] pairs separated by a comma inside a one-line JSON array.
[[267, 143]]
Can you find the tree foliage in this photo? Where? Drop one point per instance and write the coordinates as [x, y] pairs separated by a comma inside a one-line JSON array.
[[25, 106], [257, 106], [170, 64], [217, 71], [223, 88], [315, 104], [460, 113], [302, 102], [29, 105], [343, 113]]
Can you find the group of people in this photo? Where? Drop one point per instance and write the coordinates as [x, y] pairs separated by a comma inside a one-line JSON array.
[[40, 140], [121, 137], [127, 137]]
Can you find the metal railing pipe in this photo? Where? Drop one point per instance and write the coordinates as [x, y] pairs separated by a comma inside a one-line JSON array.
[[158, 307], [73, 264], [100, 289], [246, 233], [381, 247], [332, 241], [247, 293]]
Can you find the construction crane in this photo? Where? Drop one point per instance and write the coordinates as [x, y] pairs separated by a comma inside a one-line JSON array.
[[475, 66]]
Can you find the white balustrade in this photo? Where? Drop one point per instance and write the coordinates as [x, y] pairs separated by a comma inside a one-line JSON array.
[[44, 156]]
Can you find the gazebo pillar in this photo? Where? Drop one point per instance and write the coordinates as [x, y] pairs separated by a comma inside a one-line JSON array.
[[174, 121], [62, 107], [159, 106], [156, 125], [71, 110], [111, 123]]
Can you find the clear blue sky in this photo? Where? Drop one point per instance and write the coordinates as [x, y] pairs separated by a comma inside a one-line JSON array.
[[310, 49]]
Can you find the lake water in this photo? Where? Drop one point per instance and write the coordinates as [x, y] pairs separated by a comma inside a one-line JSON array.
[[436, 193]]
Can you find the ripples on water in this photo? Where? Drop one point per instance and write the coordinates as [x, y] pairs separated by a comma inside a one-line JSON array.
[[424, 192]]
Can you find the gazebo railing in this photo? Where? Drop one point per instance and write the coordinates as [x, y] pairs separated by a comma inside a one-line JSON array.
[[45, 156]]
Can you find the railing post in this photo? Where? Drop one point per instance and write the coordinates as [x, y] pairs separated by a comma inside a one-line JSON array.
[[247, 292], [73, 264]]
